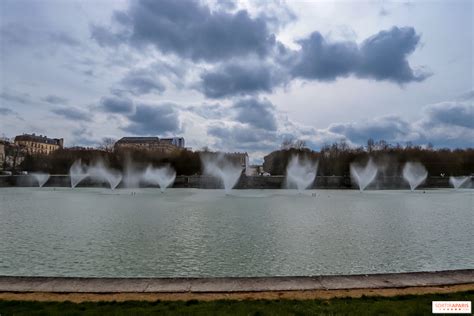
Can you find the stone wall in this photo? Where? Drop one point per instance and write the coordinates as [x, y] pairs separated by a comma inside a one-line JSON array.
[[245, 182]]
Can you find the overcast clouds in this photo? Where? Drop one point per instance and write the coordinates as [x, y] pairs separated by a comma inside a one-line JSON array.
[[239, 76]]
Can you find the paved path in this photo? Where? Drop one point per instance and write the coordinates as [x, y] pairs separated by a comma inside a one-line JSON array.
[[234, 285]]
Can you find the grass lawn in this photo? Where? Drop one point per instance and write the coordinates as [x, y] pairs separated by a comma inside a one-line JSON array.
[[399, 305]]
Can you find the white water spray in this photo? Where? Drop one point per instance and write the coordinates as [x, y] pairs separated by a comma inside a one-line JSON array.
[[415, 174], [458, 182], [364, 175], [163, 176], [98, 172], [41, 178], [300, 173], [77, 173], [219, 167]]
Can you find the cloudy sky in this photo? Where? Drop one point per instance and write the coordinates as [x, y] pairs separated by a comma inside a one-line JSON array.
[[239, 76]]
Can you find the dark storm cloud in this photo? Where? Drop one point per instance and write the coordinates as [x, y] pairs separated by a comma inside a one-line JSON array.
[[64, 38], [384, 56], [233, 79], [73, 114], [226, 5], [116, 105], [389, 128], [242, 137], [105, 37], [322, 60], [54, 99], [153, 120], [447, 124], [14, 34], [189, 29], [451, 113], [380, 57], [140, 82], [209, 111], [6, 111], [13, 96], [468, 96], [257, 113], [153, 77]]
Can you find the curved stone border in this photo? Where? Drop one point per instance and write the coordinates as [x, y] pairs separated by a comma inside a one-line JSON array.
[[234, 285]]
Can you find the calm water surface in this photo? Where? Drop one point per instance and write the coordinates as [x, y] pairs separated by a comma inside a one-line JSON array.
[[190, 232]]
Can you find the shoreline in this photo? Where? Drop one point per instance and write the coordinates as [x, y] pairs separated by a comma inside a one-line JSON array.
[[245, 182], [311, 287]]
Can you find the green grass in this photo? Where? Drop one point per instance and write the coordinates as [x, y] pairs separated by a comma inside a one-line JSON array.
[[399, 305]]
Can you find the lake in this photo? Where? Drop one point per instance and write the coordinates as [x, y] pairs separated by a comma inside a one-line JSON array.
[[96, 232]]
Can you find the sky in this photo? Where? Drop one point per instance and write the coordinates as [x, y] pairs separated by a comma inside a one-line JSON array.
[[239, 75]]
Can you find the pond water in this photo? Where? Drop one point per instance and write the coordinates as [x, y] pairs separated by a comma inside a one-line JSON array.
[[95, 232]]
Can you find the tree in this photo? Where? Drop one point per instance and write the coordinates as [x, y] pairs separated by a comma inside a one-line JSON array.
[[370, 144], [287, 143], [107, 144], [299, 144]]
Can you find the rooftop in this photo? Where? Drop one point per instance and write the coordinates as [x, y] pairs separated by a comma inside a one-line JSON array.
[[38, 138], [138, 140]]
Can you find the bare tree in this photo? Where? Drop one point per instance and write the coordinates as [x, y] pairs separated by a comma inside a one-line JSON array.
[[370, 144], [107, 144], [299, 144], [287, 143]]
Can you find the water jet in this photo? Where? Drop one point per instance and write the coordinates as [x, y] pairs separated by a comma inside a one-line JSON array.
[[364, 175], [300, 173], [41, 178], [415, 174], [458, 182]]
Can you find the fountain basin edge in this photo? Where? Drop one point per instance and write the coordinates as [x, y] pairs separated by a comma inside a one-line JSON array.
[[22, 284], [245, 182]]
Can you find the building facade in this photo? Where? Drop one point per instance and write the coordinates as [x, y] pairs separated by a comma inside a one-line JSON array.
[[38, 144], [236, 159], [176, 141], [240, 158], [164, 145]]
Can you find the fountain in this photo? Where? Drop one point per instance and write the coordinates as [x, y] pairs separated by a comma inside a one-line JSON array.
[[300, 173], [163, 176], [458, 182], [77, 173], [40, 177], [132, 175], [98, 172], [415, 174], [364, 175], [218, 166]]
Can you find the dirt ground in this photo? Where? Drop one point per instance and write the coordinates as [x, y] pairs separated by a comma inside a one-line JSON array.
[[269, 295]]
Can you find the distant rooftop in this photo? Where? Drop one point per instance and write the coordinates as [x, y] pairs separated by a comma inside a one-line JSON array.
[[138, 140], [177, 141], [39, 139]]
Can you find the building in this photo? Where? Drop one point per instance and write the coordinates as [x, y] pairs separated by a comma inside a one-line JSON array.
[[177, 141], [240, 158], [255, 170], [164, 145], [38, 144], [236, 159], [270, 160]]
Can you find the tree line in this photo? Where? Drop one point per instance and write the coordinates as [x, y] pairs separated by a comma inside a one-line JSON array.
[[334, 159]]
